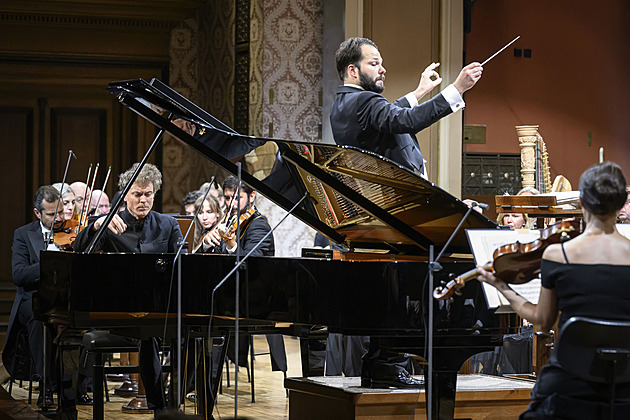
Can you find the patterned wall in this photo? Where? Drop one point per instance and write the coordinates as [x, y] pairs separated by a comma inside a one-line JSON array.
[[176, 167], [292, 85], [292, 67], [201, 69], [285, 77]]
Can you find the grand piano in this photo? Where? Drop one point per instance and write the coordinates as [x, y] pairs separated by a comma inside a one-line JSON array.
[[389, 219]]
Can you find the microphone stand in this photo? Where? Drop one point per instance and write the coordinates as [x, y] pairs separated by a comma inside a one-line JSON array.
[[239, 263], [177, 263], [434, 267]]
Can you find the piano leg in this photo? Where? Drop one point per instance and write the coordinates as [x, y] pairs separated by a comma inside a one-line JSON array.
[[209, 376], [443, 396]]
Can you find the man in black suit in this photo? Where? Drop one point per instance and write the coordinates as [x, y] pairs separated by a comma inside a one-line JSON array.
[[253, 229], [28, 241], [362, 117], [139, 229]]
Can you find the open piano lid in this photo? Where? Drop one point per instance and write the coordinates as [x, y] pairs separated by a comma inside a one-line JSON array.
[[357, 197]]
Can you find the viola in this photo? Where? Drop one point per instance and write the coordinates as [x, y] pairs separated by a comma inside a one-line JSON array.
[[230, 230], [517, 263]]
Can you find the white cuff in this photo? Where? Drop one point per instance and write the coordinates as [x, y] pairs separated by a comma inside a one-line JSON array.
[[411, 98], [232, 250], [453, 98]]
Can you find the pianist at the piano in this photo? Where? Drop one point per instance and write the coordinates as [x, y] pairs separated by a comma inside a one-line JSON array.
[[139, 229]]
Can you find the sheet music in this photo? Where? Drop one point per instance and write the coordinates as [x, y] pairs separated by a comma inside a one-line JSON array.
[[624, 229], [483, 243]]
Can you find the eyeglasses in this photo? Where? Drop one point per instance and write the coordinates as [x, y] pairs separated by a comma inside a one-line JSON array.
[[139, 194]]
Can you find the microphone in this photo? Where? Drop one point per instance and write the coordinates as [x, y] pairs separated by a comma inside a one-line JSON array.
[[480, 205]]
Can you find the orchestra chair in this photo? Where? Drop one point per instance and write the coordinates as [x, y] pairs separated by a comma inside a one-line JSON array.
[[23, 365], [276, 352], [596, 350]]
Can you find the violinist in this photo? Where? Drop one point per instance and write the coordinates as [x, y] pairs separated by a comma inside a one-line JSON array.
[[207, 218], [252, 230], [100, 203], [253, 227], [28, 241], [139, 229], [67, 199], [81, 193], [518, 220], [586, 276]]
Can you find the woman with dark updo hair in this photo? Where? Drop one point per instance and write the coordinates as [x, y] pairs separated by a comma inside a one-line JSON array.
[[587, 276]]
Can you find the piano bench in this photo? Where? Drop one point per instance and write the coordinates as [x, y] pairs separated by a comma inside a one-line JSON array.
[[100, 342]]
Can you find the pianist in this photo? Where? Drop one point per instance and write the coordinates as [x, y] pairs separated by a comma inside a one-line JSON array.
[[139, 229], [28, 241]]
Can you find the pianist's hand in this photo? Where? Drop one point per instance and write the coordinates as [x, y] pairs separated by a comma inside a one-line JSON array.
[[117, 226]]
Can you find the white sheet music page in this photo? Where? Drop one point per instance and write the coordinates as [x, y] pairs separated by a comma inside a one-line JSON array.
[[624, 229], [483, 243]]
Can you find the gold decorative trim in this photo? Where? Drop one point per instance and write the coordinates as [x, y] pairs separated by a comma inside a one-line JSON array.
[[38, 19]]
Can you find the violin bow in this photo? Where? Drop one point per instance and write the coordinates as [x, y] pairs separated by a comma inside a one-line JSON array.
[[109, 170], [89, 200], [63, 182]]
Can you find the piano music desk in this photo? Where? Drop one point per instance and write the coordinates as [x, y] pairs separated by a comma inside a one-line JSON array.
[[341, 398]]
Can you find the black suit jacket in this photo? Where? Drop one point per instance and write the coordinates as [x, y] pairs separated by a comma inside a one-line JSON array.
[[28, 242], [158, 234], [367, 120]]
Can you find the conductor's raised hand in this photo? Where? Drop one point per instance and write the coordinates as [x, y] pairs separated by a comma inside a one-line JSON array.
[[468, 77], [428, 80]]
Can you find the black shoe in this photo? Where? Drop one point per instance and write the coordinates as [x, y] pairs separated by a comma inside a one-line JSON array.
[[49, 399], [401, 380], [84, 399]]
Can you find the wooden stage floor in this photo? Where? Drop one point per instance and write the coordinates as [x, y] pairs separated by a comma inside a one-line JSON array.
[[271, 402]]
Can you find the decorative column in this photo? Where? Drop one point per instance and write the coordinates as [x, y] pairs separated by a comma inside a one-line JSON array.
[[527, 135]]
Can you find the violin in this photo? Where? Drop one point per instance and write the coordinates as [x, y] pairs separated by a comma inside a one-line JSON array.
[[230, 230], [517, 263], [65, 235]]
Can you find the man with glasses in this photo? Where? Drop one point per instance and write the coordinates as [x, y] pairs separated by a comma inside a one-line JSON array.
[[624, 213], [139, 229]]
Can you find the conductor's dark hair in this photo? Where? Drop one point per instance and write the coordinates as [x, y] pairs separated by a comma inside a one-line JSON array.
[[231, 183], [603, 188], [45, 192], [349, 52]]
